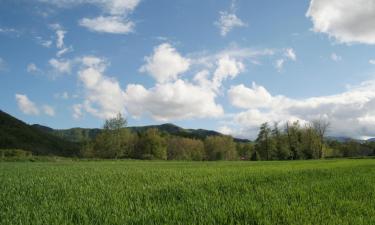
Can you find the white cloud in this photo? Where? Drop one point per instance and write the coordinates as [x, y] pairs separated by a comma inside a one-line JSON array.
[[26, 105], [60, 66], [32, 68], [347, 21], [77, 111], [350, 112], [336, 57], [103, 95], [64, 51], [225, 130], [48, 110], [227, 67], [279, 64], [165, 64], [116, 14], [254, 97], [227, 22], [46, 43], [372, 61], [113, 7], [60, 35], [171, 101], [109, 24], [290, 54], [43, 42]]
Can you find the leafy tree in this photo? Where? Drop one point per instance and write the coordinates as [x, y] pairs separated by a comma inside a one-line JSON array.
[[245, 150], [320, 126], [294, 137], [264, 143], [151, 145], [281, 151], [220, 148], [185, 149], [115, 141]]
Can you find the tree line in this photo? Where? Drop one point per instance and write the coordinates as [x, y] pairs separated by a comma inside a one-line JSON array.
[[292, 141]]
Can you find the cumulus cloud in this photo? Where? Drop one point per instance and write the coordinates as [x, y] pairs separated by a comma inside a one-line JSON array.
[[254, 97], [48, 110], [116, 14], [372, 61], [347, 21], [61, 66], [174, 100], [26, 105], [104, 97], [227, 67], [165, 64], [109, 24], [171, 97], [350, 112]]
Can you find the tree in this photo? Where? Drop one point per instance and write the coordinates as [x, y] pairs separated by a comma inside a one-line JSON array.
[[320, 126], [264, 142], [220, 148], [293, 132], [245, 150], [280, 142], [115, 141], [310, 142], [185, 149], [151, 145]]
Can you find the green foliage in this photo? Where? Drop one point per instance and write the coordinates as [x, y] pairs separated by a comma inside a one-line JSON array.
[[185, 149], [335, 192], [244, 150], [15, 134], [265, 143], [220, 148], [294, 142], [151, 145], [4, 153]]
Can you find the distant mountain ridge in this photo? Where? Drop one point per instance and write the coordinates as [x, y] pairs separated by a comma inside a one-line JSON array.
[[83, 134]]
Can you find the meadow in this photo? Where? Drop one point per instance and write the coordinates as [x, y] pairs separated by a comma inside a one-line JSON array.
[[152, 192]]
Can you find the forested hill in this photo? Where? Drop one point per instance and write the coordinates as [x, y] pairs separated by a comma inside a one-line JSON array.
[[83, 134], [16, 134]]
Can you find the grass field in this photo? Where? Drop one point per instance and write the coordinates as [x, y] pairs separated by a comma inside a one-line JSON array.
[[139, 192]]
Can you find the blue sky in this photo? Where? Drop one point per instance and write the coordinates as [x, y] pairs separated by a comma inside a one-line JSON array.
[[223, 65]]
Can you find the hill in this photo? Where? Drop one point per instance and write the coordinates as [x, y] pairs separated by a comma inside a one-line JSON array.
[[15, 133], [82, 134]]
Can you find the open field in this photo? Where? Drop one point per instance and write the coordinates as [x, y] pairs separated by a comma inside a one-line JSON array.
[[141, 192]]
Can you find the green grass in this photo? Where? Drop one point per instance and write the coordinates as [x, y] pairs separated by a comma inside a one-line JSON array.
[[139, 192]]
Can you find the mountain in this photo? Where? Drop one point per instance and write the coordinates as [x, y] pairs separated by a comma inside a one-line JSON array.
[[15, 134], [82, 134]]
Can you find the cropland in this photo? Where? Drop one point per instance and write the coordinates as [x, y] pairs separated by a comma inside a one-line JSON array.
[[149, 192]]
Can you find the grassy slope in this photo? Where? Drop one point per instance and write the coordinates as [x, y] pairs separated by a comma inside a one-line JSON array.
[[134, 192]]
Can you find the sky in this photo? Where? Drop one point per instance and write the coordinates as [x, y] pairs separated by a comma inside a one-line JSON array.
[[224, 65]]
